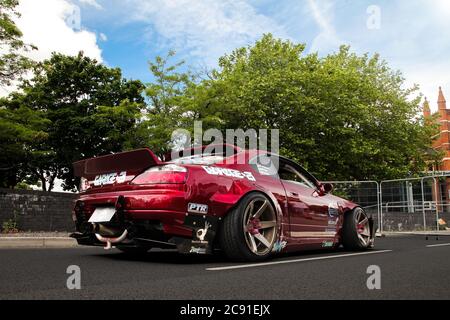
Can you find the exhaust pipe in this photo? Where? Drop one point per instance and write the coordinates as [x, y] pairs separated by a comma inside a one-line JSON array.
[[110, 241], [106, 231]]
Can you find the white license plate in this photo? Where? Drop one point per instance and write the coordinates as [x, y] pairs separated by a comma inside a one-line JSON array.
[[102, 215]]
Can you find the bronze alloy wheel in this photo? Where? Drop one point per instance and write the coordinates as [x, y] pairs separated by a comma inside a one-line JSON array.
[[259, 226], [362, 227]]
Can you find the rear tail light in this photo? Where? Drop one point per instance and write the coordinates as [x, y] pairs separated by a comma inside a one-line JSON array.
[[166, 174], [84, 184]]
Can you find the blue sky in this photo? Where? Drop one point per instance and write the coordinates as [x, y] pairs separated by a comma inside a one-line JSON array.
[[411, 35]]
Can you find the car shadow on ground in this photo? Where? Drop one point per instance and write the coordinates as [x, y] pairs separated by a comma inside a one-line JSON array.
[[175, 258], [165, 256]]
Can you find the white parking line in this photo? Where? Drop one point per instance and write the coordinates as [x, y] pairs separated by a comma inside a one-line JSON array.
[[438, 245], [294, 261]]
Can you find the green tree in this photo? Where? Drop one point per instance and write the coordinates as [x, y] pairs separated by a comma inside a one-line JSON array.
[[89, 106], [12, 61], [22, 131], [343, 116], [167, 98]]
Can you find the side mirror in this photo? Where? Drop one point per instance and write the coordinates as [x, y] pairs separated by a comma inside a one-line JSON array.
[[326, 188]]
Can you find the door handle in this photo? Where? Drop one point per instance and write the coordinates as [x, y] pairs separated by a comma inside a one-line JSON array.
[[294, 194]]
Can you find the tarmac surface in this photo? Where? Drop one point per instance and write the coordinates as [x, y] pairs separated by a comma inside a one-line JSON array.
[[410, 266]]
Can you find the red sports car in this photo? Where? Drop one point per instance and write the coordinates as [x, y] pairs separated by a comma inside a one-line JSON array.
[[248, 203]]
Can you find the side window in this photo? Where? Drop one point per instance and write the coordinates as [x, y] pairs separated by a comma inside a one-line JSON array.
[[265, 165], [308, 178], [289, 173]]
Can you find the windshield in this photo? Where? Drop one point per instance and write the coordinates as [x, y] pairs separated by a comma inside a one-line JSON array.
[[198, 159]]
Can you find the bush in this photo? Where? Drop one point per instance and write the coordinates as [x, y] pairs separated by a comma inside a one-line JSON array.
[[10, 226]]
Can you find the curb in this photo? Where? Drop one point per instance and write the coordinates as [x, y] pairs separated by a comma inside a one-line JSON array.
[[418, 233], [37, 242]]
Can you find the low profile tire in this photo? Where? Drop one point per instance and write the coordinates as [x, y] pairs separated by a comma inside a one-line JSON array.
[[356, 232], [135, 251], [248, 232]]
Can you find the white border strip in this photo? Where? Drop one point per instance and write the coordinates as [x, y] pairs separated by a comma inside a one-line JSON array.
[[296, 260], [438, 245]]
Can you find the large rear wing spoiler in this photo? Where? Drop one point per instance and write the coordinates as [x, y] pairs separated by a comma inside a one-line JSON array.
[[132, 162], [217, 149]]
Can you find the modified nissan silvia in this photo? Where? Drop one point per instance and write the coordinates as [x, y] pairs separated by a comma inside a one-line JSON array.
[[248, 203]]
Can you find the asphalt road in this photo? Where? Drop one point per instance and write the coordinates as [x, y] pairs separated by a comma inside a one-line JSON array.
[[411, 268]]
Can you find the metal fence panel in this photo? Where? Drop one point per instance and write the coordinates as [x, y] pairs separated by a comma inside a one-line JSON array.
[[364, 193], [410, 204]]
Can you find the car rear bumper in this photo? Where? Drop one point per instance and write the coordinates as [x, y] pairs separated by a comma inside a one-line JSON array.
[[165, 206], [150, 217]]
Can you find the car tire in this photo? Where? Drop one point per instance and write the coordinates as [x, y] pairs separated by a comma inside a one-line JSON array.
[[135, 251], [356, 232], [248, 232]]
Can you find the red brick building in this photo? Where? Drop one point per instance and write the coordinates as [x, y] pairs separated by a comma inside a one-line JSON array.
[[442, 142]]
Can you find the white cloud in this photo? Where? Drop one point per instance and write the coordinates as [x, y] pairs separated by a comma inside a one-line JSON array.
[[429, 78], [103, 36], [44, 24], [327, 40], [93, 3], [206, 29], [417, 49], [443, 6]]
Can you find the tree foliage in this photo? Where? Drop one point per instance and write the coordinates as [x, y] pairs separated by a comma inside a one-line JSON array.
[[12, 61], [167, 98], [343, 116], [22, 131], [90, 108]]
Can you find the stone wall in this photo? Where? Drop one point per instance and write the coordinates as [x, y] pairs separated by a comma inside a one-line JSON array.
[[37, 210]]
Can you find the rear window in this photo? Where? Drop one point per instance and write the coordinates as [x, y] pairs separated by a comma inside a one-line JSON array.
[[265, 165], [199, 159]]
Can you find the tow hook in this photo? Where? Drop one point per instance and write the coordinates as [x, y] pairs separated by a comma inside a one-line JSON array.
[[110, 241]]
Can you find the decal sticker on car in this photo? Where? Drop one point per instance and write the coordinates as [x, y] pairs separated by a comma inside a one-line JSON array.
[[216, 171], [110, 178], [201, 233], [279, 245], [332, 222], [327, 244], [197, 250], [333, 209], [197, 208]]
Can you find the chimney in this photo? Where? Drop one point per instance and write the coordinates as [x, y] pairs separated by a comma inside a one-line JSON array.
[[426, 108], [442, 104]]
